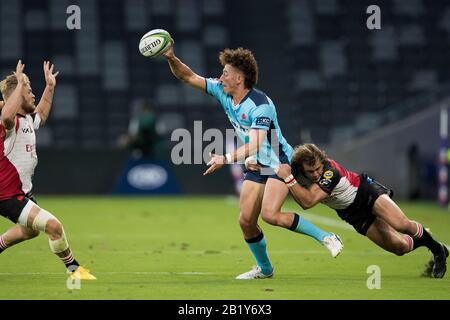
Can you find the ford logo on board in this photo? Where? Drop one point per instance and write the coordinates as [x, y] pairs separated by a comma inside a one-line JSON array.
[[147, 177]]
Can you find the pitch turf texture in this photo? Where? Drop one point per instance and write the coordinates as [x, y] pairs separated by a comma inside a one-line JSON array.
[[192, 248]]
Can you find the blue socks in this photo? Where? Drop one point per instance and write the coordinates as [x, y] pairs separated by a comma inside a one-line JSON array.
[[258, 247], [301, 225], [258, 244]]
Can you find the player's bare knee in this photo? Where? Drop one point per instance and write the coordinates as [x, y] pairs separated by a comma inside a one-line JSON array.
[[54, 229], [405, 226], [270, 218], [400, 249]]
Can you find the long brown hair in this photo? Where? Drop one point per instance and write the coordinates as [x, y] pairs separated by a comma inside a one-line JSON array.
[[307, 153]]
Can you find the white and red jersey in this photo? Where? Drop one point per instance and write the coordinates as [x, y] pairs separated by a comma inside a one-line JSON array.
[[18, 157], [341, 185]]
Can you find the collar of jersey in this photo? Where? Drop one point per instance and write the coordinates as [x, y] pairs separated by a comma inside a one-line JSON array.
[[235, 107]]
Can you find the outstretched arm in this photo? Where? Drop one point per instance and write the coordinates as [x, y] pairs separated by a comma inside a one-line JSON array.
[[13, 103], [182, 71], [45, 104], [306, 198], [256, 136]]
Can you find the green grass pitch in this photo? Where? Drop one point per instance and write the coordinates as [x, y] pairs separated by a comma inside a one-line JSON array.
[[174, 248]]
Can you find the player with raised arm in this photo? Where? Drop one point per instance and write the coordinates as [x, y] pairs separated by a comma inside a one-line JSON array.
[[253, 116], [18, 159], [359, 200]]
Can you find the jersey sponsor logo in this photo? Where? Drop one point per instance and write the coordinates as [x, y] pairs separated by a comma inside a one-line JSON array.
[[263, 121], [324, 182], [27, 130], [328, 174]]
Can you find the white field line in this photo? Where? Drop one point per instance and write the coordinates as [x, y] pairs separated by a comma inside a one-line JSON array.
[[109, 273], [320, 251]]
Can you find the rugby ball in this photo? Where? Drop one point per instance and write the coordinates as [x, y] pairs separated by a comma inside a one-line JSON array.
[[155, 42]]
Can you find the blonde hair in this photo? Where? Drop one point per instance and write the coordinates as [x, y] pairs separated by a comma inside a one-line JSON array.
[[8, 85]]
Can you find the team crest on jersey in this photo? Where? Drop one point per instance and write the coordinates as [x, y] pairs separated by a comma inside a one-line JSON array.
[[328, 174], [243, 117]]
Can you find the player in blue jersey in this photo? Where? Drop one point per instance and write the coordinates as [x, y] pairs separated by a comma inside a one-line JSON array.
[[254, 119]]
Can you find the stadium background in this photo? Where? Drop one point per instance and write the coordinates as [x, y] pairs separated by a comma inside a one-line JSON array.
[[334, 81], [371, 98]]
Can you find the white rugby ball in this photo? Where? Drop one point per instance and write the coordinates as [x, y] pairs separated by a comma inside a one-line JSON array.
[[155, 42]]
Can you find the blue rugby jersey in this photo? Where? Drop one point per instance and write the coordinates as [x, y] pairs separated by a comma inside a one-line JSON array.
[[255, 111]]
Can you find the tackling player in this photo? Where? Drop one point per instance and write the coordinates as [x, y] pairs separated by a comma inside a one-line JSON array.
[[359, 200], [253, 116], [19, 120]]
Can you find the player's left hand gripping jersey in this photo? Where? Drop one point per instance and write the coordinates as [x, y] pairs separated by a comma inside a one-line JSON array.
[[19, 149], [255, 111], [341, 185]]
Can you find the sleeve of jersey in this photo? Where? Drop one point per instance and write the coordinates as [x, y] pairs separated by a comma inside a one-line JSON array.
[[329, 180], [262, 117], [215, 89], [36, 120], [9, 132]]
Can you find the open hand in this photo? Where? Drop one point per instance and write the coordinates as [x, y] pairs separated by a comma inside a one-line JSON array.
[[50, 77], [215, 163], [19, 72]]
